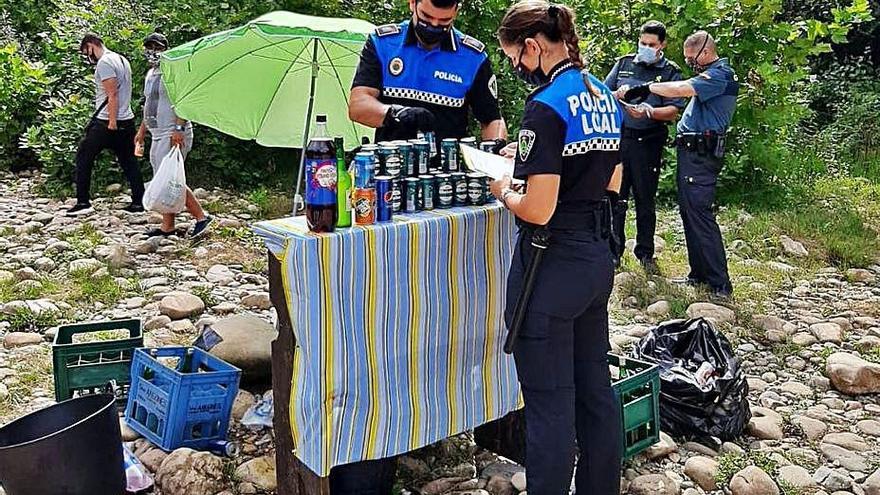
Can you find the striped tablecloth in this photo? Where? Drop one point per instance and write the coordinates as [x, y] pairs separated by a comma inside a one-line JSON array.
[[399, 331]]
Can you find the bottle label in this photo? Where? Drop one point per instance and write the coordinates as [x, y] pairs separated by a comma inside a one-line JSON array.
[[320, 182]]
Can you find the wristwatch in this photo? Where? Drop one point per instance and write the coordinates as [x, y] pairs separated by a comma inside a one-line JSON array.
[[179, 127], [505, 193]]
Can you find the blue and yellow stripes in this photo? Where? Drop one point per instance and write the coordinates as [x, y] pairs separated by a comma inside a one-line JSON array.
[[399, 331]]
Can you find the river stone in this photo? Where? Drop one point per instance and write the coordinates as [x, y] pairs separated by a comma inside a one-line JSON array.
[[713, 312], [653, 484], [847, 459], [702, 470], [753, 481], [797, 477], [181, 305], [853, 375], [246, 343], [187, 472], [827, 332], [260, 472]]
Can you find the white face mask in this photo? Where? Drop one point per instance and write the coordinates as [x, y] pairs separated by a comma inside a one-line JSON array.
[[647, 54]]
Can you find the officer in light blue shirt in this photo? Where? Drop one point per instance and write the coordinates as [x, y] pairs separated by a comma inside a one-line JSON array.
[[700, 146]]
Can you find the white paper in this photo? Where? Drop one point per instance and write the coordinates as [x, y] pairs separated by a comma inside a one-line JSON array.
[[495, 166]]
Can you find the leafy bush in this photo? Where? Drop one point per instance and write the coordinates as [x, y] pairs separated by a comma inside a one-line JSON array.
[[21, 86]]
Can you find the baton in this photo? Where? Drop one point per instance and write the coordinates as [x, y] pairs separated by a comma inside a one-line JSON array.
[[540, 241]]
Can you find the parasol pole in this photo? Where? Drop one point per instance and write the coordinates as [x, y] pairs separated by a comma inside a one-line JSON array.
[[298, 202]]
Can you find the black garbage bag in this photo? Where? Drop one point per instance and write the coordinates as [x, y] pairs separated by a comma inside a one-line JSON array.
[[703, 392]]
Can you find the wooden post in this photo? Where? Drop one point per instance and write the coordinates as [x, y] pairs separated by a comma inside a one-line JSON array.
[[294, 478]]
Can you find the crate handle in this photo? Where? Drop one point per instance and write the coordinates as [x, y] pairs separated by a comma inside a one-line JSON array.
[[66, 332]]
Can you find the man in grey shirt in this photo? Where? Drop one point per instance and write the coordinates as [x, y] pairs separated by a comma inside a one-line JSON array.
[[167, 130], [111, 126]]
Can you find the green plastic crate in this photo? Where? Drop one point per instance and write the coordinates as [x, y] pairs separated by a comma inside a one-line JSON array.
[[637, 385], [86, 368]]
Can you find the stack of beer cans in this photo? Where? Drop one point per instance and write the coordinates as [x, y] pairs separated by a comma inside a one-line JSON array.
[[406, 177]]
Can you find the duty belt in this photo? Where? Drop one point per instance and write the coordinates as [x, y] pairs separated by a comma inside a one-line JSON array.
[[593, 218], [657, 131], [709, 143]]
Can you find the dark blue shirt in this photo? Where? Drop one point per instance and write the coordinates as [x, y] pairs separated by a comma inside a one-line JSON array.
[[713, 106], [568, 131], [631, 73], [452, 80]]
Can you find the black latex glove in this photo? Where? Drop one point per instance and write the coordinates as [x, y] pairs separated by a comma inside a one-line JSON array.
[[415, 118], [499, 145], [637, 94]]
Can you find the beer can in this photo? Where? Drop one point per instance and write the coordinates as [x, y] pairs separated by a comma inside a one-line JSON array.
[[487, 146], [490, 198], [421, 157], [431, 138], [408, 165], [364, 169], [389, 157], [476, 189], [384, 198], [411, 194], [449, 147], [426, 191], [445, 191], [469, 141], [396, 195], [365, 206], [459, 189]]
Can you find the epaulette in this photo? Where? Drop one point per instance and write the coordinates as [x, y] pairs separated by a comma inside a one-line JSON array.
[[673, 64], [388, 29], [473, 43]]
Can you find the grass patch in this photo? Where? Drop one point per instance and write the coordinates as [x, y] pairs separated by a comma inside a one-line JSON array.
[[89, 289], [204, 293], [218, 206], [33, 369], [11, 291], [256, 265], [84, 238], [7, 231], [271, 204], [25, 320], [732, 463]]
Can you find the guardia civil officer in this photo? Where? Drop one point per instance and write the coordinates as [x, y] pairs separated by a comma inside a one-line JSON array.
[[643, 137], [425, 75], [700, 147], [567, 152]]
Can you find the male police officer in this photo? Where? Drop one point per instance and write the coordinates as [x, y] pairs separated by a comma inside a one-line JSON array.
[[700, 146], [643, 137], [424, 75]]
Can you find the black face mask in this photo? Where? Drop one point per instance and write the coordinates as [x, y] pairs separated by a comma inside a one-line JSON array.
[[429, 34], [692, 62], [535, 77]]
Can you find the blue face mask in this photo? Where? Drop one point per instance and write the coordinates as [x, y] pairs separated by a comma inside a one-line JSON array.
[[647, 54]]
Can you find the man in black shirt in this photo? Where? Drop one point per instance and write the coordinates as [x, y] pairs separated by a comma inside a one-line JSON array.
[[424, 75]]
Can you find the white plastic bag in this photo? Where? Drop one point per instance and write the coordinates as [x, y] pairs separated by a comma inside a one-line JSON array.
[[166, 193]]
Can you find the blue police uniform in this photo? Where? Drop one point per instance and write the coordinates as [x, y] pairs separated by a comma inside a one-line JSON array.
[[452, 80], [641, 151], [561, 352], [700, 147]]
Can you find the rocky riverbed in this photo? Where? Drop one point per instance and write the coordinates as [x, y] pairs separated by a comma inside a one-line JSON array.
[[809, 338]]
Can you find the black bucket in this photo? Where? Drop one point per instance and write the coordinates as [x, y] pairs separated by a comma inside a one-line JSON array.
[[71, 448]]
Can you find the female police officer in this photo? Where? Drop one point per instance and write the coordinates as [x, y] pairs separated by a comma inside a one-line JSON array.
[[567, 153]]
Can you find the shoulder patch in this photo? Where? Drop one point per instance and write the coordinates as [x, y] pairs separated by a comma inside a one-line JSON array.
[[473, 43], [525, 144], [673, 64], [387, 29]]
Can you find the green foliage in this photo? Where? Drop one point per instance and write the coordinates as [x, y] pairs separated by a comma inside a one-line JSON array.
[[21, 86], [732, 463], [25, 320], [88, 288]]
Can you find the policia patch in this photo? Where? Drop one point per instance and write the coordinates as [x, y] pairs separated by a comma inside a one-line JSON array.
[[526, 143], [395, 67]]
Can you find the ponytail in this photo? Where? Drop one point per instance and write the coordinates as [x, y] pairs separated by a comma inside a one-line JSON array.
[[528, 18]]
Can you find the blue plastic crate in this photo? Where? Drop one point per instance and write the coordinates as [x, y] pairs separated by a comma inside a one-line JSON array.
[[181, 397]]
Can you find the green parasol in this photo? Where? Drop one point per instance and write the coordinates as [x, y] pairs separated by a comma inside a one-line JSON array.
[[267, 80]]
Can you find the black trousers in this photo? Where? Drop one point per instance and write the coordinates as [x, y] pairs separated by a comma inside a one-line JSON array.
[[697, 177], [642, 156], [562, 366], [121, 142]]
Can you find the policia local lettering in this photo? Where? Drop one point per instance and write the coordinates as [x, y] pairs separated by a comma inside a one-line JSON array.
[[597, 112]]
